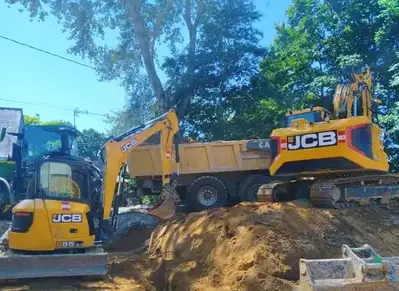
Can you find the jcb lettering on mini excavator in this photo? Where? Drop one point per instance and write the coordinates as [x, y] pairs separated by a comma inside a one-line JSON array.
[[312, 140], [67, 218]]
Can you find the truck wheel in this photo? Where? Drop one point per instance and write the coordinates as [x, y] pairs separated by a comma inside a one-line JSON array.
[[207, 192], [248, 189]]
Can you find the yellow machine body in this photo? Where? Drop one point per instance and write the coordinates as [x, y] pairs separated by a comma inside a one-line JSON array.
[[334, 159], [46, 220], [317, 142], [70, 207], [350, 144]]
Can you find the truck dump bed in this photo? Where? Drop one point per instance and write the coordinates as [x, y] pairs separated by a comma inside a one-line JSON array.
[[210, 157]]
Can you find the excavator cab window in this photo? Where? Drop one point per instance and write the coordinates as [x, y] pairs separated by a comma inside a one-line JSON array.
[[311, 117], [62, 181]]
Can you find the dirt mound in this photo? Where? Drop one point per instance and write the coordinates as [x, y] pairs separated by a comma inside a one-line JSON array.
[[258, 246], [246, 247]]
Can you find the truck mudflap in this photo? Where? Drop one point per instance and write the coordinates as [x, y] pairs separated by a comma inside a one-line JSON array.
[[358, 269], [14, 265]]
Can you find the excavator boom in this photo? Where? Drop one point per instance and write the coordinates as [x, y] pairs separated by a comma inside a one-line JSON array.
[[115, 154]]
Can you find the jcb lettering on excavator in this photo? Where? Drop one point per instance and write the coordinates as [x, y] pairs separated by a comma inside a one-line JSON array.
[[312, 140], [67, 218], [129, 145]]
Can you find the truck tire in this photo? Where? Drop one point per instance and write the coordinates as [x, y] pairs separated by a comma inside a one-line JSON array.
[[206, 192], [248, 189]]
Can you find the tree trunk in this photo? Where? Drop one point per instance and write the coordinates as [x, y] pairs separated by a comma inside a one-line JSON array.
[[188, 95], [146, 49]]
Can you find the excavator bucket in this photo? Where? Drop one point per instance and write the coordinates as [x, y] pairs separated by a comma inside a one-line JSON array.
[[132, 217], [358, 269], [14, 265], [167, 208]]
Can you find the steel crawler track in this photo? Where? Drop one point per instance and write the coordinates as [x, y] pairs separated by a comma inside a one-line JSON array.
[[354, 190], [380, 189]]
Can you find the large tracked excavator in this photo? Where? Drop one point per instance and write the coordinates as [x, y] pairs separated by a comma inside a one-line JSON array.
[[335, 160], [62, 225]]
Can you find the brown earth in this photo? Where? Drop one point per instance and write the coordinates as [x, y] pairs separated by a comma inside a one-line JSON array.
[[246, 247]]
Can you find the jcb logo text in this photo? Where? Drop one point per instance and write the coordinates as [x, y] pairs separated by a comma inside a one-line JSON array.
[[312, 140], [127, 146], [67, 218]]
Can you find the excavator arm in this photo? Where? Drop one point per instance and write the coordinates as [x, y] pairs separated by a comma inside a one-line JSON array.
[[115, 153], [344, 98]]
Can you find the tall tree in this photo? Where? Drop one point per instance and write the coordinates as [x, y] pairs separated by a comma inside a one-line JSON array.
[[90, 143], [193, 30], [324, 41]]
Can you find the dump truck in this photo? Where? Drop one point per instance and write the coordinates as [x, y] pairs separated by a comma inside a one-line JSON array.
[[210, 173]]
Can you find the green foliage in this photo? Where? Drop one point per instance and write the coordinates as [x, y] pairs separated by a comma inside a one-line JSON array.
[[90, 143], [219, 54], [216, 75], [395, 77], [140, 107], [391, 122], [35, 120], [323, 42], [31, 120]]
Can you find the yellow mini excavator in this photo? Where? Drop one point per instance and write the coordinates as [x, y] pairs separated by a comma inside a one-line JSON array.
[[61, 227], [333, 159]]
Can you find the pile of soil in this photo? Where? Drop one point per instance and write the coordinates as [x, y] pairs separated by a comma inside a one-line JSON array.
[[258, 246], [247, 247]]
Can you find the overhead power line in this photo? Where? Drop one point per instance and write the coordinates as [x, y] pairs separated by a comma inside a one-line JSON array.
[[46, 52], [39, 104], [74, 110]]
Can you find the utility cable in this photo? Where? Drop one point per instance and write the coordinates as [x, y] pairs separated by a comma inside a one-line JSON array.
[[54, 107], [46, 52], [38, 104]]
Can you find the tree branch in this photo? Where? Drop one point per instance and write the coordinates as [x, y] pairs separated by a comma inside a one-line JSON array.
[[160, 22], [188, 94], [143, 39]]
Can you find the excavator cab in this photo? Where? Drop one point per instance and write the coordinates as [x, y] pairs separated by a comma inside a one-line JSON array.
[[306, 116]]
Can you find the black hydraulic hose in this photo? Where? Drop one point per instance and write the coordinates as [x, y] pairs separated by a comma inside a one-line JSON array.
[[115, 212], [177, 142]]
